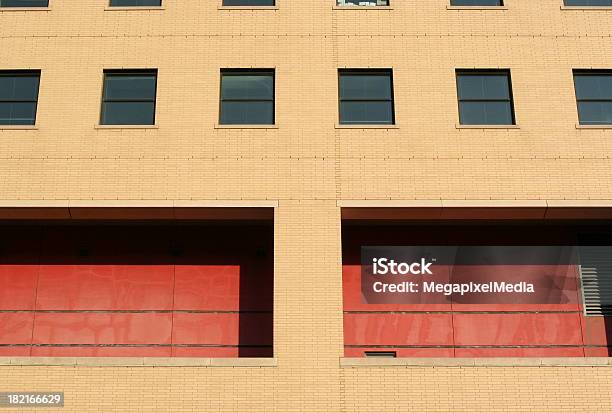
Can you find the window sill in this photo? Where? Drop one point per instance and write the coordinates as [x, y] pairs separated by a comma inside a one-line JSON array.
[[336, 7], [134, 8], [476, 362], [342, 126], [217, 126], [579, 126], [476, 7], [248, 7], [458, 126], [138, 362], [126, 127], [3, 9], [592, 8], [18, 127]]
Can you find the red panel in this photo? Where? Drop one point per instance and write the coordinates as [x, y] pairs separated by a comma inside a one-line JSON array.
[[15, 351], [16, 328], [399, 329], [17, 286], [596, 330], [227, 329], [101, 351], [207, 287], [221, 352], [210, 328], [520, 352], [402, 352], [105, 287], [94, 328], [597, 352], [517, 329]]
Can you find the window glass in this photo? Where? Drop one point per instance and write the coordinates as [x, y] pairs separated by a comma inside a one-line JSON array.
[[485, 98], [24, 3], [594, 97], [362, 3], [365, 87], [248, 87], [247, 97], [593, 86], [588, 3], [366, 97], [129, 98], [18, 97], [249, 2], [477, 3], [135, 3]]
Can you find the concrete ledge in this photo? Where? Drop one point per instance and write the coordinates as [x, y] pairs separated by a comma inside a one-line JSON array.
[[138, 362], [477, 362]]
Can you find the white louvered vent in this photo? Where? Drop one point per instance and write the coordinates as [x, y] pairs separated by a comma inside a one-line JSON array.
[[596, 274]]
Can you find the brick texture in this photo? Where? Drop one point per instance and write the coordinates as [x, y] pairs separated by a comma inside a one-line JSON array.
[[308, 165]]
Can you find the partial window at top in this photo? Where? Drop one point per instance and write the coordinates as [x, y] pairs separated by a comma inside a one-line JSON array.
[[24, 3], [249, 2], [135, 3], [588, 3], [362, 3], [477, 2]]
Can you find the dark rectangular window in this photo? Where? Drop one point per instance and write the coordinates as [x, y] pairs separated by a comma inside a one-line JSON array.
[[485, 97], [477, 2], [249, 2], [588, 3], [362, 3], [18, 97], [135, 3], [594, 96], [247, 97], [24, 3], [366, 97], [129, 97]]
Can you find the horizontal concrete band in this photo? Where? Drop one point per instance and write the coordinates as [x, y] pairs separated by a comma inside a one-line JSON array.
[[475, 209], [135, 210], [138, 361], [477, 362]]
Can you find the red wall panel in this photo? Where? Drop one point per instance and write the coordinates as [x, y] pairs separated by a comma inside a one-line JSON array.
[[95, 328], [398, 329], [517, 329], [128, 290], [76, 351], [105, 287], [207, 287], [520, 352], [466, 330], [18, 286], [16, 328]]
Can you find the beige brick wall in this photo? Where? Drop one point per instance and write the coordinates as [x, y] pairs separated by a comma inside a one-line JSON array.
[[307, 164]]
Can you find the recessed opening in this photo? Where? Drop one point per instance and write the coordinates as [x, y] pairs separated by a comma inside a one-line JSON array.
[[146, 289]]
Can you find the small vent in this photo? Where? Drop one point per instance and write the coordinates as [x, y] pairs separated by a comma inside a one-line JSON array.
[[596, 275], [389, 354]]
